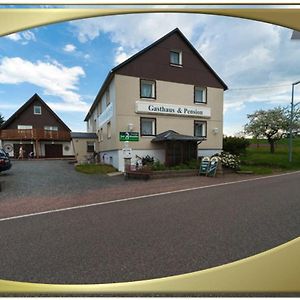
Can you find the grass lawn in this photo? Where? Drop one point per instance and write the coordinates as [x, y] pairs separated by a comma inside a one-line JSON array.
[[95, 169], [261, 161]]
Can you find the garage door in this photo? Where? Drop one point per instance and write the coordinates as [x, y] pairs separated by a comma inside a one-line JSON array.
[[53, 150]]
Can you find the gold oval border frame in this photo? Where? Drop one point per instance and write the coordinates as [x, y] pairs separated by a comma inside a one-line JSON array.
[[13, 20], [274, 271]]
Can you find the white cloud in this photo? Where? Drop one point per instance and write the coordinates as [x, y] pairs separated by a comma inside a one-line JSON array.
[[133, 32], [81, 107], [54, 78], [23, 37], [244, 53], [9, 106], [230, 106], [14, 36], [233, 129], [69, 48], [121, 55]]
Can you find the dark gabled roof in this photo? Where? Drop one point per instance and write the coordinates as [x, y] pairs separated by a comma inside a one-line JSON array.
[[26, 105], [111, 73], [171, 135], [83, 135]]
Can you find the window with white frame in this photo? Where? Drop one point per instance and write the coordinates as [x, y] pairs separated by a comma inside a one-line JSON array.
[[200, 95], [148, 126], [51, 128], [147, 89], [108, 130], [24, 127], [200, 128], [37, 110], [90, 146], [176, 57]]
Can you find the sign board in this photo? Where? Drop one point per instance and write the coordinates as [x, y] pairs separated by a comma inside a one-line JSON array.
[[172, 109], [204, 166], [129, 136], [213, 166]]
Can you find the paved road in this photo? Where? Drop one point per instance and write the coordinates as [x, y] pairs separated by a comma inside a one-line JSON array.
[[152, 237], [32, 186]]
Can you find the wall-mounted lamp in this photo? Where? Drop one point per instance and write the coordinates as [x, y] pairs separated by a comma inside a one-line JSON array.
[[215, 130], [130, 127]]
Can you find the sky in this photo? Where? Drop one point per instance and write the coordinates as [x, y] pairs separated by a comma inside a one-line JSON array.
[[66, 63]]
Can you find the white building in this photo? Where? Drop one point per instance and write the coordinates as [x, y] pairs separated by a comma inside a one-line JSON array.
[[165, 100]]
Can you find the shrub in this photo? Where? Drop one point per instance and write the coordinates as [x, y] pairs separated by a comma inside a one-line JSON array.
[[193, 164], [158, 166], [147, 160], [235, 145], [229, 160]]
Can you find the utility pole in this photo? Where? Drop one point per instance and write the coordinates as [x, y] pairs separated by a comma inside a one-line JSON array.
[[291, 122]]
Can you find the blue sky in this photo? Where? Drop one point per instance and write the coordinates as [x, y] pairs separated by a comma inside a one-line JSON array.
[[67, 63]]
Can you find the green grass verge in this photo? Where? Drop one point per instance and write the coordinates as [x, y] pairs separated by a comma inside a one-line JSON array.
[[261, 161], [95, 169]]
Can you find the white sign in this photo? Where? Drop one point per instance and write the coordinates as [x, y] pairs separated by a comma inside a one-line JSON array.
[[127, 152], [172, 109], [106, 115]]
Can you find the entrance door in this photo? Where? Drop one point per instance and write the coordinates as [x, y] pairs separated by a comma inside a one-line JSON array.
[[53, 150], [26, 147], [179, 152]]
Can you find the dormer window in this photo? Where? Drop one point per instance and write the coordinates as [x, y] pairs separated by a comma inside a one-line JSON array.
[[37, 110], [176, 58]]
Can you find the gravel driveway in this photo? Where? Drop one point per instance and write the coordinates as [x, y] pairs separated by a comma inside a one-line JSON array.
[[52, 178]]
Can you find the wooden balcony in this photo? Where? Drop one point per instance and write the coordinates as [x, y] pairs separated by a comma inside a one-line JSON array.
[[34, 134]]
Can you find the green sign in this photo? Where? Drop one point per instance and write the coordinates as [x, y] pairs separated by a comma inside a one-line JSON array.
[[129, 136]]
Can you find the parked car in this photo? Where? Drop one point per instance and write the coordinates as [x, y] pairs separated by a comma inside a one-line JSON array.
[[5, 163]]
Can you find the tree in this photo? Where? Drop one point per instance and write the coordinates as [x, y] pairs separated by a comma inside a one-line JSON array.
[[272, 124], [1, 119]]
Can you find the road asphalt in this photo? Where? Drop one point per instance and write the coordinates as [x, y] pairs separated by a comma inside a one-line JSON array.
[[152, 237]]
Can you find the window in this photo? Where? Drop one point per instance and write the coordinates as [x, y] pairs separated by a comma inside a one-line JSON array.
[[90, 146], [200, 95], [99, 108], [51, 128], [107, 97], [108, 130], [100, 134], [147, 89], [24, 127], [176, 57], [200, 128], [37, 110], [148, 126]]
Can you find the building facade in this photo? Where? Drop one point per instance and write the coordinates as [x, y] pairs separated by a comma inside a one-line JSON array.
[[85, 146], [165, 102], [36, 128]]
